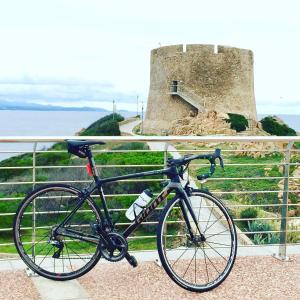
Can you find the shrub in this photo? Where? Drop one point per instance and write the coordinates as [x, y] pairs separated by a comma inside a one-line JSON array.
[[274, 127], [237, 122], [262, 238], [109, 127], [132, 146], [249, 213]]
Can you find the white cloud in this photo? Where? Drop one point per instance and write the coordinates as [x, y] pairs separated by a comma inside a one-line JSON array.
[[110, 42]]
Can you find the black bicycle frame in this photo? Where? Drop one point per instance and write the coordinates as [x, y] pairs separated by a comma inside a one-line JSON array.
[[174, 185]]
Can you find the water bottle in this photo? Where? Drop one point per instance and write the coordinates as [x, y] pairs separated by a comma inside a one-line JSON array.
[[139, 204]]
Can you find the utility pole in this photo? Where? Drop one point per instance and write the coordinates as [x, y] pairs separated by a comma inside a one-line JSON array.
[[137, 105]]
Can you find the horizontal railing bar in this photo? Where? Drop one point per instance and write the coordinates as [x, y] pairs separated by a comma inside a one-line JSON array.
[[154, 150], [150, 150], [134, 195], [81, 166], [158, 165], [144, 180], [75, 181], [252, 192], [240, 246], [211, 138], [155, 222], [211, 233]]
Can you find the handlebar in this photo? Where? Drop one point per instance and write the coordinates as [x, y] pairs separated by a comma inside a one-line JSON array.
[[211, 157]]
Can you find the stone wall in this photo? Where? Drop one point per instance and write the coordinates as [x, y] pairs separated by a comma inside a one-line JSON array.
[[221, 77]]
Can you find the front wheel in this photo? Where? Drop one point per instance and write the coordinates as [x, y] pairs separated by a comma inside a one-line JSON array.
[[197, 262]]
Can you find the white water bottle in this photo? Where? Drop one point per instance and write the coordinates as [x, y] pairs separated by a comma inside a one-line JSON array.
[[139, 204]]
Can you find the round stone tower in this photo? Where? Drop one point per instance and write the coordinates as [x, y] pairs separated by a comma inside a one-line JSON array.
[[196, 78]]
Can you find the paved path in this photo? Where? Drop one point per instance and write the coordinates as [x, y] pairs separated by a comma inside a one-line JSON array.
[[128, 127]]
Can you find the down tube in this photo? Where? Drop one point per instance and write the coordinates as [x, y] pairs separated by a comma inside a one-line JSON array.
[[148, 211]]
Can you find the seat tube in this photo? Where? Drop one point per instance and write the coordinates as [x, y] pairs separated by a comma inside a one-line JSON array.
[[93, 165], [97, 180]]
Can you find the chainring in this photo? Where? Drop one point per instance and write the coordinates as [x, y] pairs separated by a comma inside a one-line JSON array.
[[120, 247]]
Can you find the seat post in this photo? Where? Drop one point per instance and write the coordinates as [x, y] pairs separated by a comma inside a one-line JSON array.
[[92, 163]]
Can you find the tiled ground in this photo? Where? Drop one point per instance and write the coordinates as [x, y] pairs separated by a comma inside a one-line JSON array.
[[16, 285], [251, 278]]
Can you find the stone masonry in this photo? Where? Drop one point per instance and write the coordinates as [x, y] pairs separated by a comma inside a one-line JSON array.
[[207, 78]]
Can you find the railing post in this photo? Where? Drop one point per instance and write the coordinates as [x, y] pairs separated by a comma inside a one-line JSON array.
[[166, 154], [282, 255], [166, 146], [33, 240]]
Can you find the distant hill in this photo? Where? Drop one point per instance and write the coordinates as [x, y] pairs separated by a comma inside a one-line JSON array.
[[5, 105]]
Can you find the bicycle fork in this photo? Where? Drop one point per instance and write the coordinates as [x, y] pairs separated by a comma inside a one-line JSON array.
[[186, 206]]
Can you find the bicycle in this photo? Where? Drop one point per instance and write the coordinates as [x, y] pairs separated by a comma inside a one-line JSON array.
[[61, 233]]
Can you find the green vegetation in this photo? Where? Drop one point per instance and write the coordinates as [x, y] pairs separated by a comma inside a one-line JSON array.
[[60, 157], [236, 166], [273, 126], [261, 235], [107, 125], [237, 122], [254, 191]]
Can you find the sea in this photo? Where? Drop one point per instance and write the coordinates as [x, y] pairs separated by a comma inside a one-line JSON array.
[[43, 123], [62, 123]]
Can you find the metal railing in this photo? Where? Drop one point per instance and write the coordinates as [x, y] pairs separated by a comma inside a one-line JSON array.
[[185, 144]]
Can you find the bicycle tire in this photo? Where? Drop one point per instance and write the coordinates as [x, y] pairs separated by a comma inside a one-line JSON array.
[[167, 254], [70, 195]]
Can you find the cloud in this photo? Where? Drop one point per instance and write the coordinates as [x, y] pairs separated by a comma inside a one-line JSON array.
[[49, 90]]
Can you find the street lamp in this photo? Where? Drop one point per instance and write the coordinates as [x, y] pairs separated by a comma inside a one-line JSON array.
[[142, 125], [137, 105], [114, 109]]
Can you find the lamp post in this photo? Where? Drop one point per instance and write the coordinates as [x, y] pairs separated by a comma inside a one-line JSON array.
[[137, 105], [114, 109], [142, 125]]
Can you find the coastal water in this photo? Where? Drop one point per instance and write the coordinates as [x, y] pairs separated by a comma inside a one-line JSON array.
[[42, 123]]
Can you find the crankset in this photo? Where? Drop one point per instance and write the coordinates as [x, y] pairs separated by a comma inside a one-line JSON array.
[[120, 247]]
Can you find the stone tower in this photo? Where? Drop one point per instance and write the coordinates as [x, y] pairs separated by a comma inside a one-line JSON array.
[[198, 78]]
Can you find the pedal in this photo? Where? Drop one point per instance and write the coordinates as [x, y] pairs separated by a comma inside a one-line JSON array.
[[57, 253], [131, 259]]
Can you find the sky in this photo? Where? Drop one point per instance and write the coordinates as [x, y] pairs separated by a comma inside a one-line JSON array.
[[90, 52]]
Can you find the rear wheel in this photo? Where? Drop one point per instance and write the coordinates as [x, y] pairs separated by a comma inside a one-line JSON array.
[[50, 255], [195, 263]]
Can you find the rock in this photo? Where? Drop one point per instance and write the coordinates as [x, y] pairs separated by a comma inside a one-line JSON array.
[[210, 122]]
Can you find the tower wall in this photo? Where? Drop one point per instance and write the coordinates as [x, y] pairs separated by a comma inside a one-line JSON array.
[[220, 80]]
